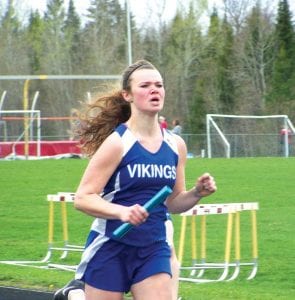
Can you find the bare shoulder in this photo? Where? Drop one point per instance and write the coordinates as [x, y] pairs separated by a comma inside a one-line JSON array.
[[111, 150], [102, 165], [114, 141], [181, 145]]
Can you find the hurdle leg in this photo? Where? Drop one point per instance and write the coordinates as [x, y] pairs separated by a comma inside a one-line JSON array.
[[203, 266], [200, 267], [203, 246], [50, 231], [64, 228], [227, 247], [254, 245], [182, 239], [193, 243], [237, 246]]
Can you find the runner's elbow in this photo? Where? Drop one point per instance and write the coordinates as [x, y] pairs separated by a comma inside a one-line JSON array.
[[78, 202]]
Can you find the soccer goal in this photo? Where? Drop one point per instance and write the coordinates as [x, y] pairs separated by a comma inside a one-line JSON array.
[[249, 136], [18, 128]]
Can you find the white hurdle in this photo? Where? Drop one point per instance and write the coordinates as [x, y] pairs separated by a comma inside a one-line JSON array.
[[233, 210]]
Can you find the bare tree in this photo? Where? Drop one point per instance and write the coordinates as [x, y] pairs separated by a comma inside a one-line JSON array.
[[253, 56], [237, 11]]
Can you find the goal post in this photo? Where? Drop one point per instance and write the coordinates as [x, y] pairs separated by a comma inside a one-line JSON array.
[[249, 136]]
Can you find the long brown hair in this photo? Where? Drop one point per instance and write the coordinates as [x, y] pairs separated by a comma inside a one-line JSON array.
[[104, 113]]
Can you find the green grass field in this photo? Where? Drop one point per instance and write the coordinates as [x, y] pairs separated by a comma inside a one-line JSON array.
[[269, 181]]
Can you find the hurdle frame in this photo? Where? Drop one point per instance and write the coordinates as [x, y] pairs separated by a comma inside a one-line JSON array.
[[233, 221], [233, 211], [63, 198]]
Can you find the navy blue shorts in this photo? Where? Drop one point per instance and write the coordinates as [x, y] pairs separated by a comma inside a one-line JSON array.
[[116, 266]]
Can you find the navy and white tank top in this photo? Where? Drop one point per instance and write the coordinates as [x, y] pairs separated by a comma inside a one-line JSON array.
[[139, 176]]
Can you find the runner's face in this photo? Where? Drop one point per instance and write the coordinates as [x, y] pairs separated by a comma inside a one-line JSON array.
[[147, 90]]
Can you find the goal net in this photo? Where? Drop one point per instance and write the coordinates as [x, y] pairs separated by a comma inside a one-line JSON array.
[[249, 136]]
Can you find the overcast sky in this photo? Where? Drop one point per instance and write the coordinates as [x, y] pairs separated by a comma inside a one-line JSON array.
[[143, 10]]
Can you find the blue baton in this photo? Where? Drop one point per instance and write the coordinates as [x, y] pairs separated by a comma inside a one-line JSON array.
[[159, 198]]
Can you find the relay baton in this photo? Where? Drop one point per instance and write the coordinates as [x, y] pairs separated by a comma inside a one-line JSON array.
[[159, 198]]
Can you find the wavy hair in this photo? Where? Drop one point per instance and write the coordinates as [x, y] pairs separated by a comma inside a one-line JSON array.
[[104, 113]]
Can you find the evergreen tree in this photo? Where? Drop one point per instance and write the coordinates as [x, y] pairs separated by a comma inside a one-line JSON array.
[[224, 63], [12, 43], [213, 36], [214, 89], [35, 32], [105, 38], [54, 18], [55, 61], [72, 30], [10, 18], [253, 56], [283, 76], [206, 90], [182, 51], [13, 55]]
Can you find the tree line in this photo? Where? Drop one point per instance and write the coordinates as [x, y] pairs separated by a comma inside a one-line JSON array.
[[242, 62]]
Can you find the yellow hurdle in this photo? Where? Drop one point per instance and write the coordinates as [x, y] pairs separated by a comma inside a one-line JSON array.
[[63, 199], [233, 211], [182, 238]]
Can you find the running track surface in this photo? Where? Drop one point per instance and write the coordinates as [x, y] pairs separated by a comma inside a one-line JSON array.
[[11, 293]]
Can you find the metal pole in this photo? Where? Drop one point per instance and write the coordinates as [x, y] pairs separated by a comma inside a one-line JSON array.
[[26, 119], [32, 116], [39, 134], [57, 77], [129, 32], [286, 138], [2, 100], [208, 136]]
